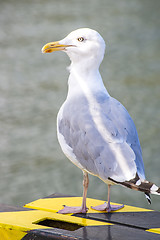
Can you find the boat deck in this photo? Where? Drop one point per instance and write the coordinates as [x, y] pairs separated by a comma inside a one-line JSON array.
[[40, 220]]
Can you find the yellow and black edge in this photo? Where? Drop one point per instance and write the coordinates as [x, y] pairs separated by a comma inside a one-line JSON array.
[[40, 220]]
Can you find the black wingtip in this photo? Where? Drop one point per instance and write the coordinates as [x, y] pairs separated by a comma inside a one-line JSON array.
[[148, 198]]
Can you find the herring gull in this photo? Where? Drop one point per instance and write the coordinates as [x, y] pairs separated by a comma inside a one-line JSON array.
[[94, 130]]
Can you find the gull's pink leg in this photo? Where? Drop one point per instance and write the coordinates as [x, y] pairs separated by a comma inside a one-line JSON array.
[[83, 208], [107, 206]]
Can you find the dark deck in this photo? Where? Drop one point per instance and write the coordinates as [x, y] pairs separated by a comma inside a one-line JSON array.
[[39, 220]]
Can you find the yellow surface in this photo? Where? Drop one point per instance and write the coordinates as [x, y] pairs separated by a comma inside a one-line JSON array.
[[15, 225], [11, 234], [55, 204], [28, 219], [154, 230]]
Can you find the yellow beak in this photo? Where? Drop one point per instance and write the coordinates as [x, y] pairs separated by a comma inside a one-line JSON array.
[[54, 46]]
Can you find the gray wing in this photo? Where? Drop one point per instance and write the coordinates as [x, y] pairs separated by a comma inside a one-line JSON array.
[[102, 137]]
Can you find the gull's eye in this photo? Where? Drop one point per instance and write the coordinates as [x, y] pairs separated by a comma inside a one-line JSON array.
[[80, 39]]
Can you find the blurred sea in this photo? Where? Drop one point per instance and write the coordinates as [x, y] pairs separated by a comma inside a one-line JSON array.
[[33, 87]]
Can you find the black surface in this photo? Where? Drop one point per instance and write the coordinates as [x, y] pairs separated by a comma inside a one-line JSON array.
[[143, 220], [8, 208], [113, 232], [59, 224], [59, 195]]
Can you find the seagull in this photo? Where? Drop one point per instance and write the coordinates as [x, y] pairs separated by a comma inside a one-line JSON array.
[[95, 131]]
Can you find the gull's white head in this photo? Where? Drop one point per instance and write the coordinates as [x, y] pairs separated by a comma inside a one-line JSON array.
[[83, 46]]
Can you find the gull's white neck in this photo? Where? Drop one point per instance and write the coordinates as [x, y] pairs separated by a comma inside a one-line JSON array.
[[83, 80]]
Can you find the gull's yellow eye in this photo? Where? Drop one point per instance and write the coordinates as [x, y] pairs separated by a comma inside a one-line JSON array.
[[80, 39]]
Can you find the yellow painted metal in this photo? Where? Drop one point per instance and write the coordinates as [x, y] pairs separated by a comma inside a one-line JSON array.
[[55, 204], [11, 234], [27, 220], [15, 225], [154, 230]]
